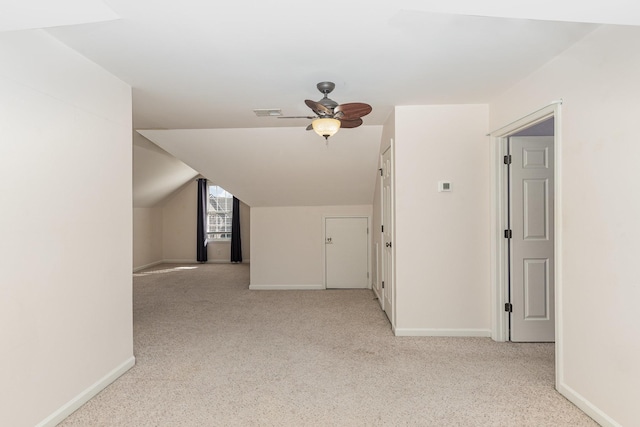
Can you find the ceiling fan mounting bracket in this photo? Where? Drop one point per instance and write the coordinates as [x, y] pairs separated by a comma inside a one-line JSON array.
[[326, 87]]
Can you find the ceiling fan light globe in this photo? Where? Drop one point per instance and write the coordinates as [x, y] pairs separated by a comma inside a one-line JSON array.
[[326, 127]]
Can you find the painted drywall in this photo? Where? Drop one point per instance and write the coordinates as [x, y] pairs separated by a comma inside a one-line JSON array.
[[598, 343], [147, 237], [156, 173], [287, 244], [66, 227], [442, 238], [179, 213]]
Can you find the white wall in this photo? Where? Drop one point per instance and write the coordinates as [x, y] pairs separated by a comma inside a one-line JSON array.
[[442, 239], [179, 213], [287, 244], [598, 343], [147, 237], [65, 222]]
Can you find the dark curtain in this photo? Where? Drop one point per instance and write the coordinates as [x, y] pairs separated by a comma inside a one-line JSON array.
[[202, 220], [236, 244]]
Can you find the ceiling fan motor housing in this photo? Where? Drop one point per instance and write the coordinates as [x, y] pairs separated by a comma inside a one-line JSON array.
[[326, 88]]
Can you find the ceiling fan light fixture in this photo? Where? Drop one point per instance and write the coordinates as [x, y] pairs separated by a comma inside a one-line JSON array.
[[326, 127]]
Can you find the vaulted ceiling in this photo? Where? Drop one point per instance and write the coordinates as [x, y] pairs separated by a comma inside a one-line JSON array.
[[198, 69]]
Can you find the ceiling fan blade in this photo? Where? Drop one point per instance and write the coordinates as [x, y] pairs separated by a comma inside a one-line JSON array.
[[353, 110], [310, 127], [348, 124], [318, 108]]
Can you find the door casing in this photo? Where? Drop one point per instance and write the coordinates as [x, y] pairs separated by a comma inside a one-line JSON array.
[[499, 249], [388, 236]]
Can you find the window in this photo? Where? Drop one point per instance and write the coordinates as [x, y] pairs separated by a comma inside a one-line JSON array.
[[219, 213]]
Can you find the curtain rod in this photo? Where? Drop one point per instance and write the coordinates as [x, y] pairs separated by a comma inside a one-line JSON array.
[[556, 102]]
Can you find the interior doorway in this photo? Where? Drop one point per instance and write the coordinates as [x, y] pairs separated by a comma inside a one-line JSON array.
[[388, 282], [524, 228], [529, 236], [346, 252]]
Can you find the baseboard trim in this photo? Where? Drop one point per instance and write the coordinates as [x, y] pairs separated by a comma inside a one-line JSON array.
[[418, 332], [284, 287], [82, 398], [193, 261], [375, 292], [180, 261], [153, 264], [587, 407]]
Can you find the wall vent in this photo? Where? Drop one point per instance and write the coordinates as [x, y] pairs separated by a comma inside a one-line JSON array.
[[268, 112]]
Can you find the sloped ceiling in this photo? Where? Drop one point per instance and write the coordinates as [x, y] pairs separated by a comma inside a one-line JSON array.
[[281, 166], [156, 173], [197, 64], [30, 14]]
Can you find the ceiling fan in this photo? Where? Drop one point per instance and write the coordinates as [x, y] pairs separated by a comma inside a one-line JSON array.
[[331, 116]]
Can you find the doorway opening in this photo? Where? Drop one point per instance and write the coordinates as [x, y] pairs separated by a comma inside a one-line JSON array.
[[346, 254], [524, 279]]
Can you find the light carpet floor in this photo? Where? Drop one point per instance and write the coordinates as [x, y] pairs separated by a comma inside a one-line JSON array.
[[210, 352]]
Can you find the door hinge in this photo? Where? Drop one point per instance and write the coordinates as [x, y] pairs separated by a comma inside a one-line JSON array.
[[508, 234], [382, 228], [507, 159], [381, 174], [367, 230], [383, 284], [508, 307]]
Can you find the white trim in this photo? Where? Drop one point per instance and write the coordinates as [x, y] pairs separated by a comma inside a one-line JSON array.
[[375, 292], [499, 283], [528, 120], [180, 261], [82, 398], [418, 332], [557, 144], [587, 407], [193, 261], [187, 261], [153, 264], [285, 287]]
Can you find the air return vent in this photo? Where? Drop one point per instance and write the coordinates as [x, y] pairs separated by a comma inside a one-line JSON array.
[[268, 112]]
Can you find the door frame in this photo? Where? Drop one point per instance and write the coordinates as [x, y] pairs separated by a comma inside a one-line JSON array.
[[324, 253], [392, 224], [499, 248]]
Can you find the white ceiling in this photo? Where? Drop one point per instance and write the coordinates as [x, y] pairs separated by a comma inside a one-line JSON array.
[[30, 14], [197, 64]]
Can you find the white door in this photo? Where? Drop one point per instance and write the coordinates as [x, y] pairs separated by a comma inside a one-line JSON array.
[[532, 242], [387, 233], [346, 254]]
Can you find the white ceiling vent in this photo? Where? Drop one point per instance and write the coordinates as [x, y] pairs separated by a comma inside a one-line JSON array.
[[268, 112]]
